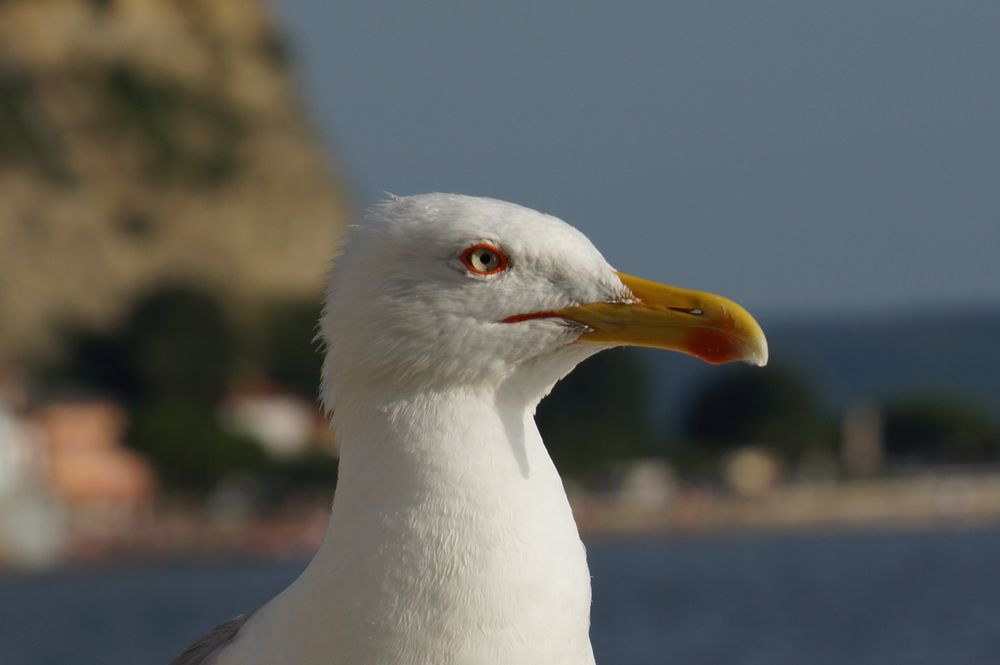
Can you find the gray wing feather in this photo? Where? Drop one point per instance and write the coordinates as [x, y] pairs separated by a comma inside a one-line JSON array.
[[204, 650]]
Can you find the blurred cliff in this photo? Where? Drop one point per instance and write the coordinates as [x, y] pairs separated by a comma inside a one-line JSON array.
[[144, 141], [166, 220]]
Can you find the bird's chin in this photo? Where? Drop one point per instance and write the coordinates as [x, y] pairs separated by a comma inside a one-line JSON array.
[[533, 379]]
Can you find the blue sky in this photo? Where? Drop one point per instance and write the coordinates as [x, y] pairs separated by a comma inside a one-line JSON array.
[[798, 157]]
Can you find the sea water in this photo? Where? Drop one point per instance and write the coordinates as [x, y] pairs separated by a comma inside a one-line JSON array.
[[886, 598]]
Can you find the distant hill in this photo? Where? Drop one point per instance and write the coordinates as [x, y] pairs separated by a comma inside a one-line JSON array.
[[150, 141], [942, 351]]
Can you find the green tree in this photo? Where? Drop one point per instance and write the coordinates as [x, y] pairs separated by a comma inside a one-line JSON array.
[[188, 447], [90, 360], [935, 429], [178, 344], [597, 415], [288, 352], [175, 343], [772, 407]]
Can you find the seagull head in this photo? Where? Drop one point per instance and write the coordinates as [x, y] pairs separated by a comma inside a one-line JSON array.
[[440, 291]]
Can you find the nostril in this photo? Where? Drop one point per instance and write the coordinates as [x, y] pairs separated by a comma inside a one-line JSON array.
[[693, 311]]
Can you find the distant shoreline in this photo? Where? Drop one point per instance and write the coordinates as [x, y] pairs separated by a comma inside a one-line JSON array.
[[918, 503], [952, 501]]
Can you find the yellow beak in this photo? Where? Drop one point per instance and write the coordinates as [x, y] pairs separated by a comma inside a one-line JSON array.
[[700, 324]]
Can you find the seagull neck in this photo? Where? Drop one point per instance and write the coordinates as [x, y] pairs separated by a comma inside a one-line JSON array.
[[449, 435], [450, 534]]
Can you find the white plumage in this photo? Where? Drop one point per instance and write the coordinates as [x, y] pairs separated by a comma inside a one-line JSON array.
[[451, 541]]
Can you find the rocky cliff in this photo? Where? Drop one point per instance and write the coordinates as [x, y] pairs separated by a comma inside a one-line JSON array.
[[151, 140]]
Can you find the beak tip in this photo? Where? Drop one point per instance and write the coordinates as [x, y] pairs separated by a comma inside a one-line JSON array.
[[759, 357]]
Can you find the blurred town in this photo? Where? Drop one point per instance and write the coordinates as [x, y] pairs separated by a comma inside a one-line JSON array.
[[167, 217]]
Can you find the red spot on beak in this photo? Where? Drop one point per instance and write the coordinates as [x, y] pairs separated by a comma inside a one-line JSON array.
[[518, 318]]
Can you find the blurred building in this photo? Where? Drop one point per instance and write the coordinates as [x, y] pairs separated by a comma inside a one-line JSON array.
[[86, 464], [284, 424], [66, 477], [17, 450], [645, 484], [144, 141], [752, 471], [862, 447], [32, 531]]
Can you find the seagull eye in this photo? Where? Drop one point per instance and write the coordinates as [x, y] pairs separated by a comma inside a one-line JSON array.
[[484, 259]]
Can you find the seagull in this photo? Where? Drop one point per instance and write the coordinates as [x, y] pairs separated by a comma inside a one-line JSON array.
[[451, 541]]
